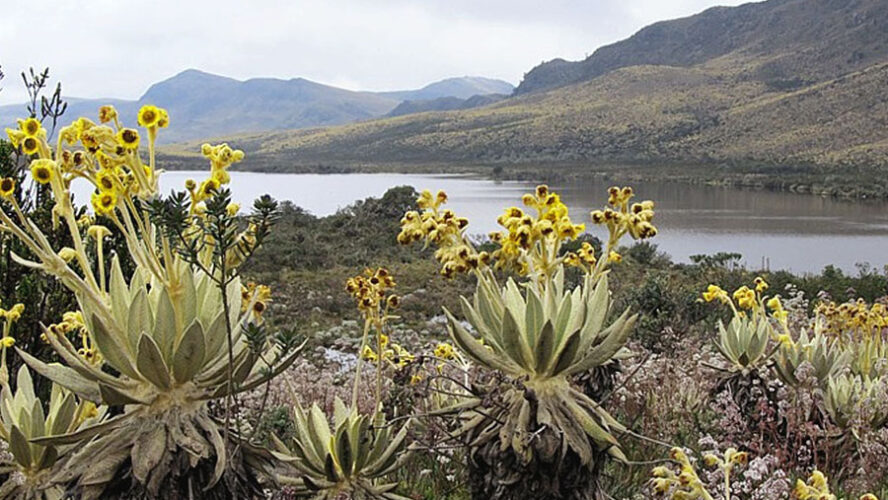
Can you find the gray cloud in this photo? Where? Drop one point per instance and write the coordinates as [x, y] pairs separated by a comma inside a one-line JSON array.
[[113, 48]]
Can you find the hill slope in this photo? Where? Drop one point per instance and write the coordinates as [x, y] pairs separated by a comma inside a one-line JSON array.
[[794, 41], [811, 96], [444, 104], [461, 87]]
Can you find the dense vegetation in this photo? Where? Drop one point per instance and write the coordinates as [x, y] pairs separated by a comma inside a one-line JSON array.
[[604, 360], [667, 393]]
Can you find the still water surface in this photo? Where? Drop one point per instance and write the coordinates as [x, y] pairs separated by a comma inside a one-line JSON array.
[[801, 233]]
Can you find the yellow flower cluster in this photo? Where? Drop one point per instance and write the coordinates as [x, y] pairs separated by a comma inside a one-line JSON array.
[[751, 301], [444, 351], [7, 187], [531, 243], [393, 354], [746, 298], [255, 297], [11, 316], [686, 485], [371, 291], [852, 320], [72, 323], [221, 157], [815, 488], [715, 292], [109, 157], [30, 137], [443, 229], [584, 257], [622, 218], [777, 310]]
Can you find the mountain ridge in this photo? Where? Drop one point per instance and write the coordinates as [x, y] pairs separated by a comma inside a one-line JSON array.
[[804, 41], [204, 105]]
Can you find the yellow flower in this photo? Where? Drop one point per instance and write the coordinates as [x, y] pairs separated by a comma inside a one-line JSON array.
[[30, 145], [15, 136], [760, 284], [7, 187], [70, 134], [98, 232], [16, 312], [164, 120], [614, 257], [425, 200], [444, 351], [7, 342], [221, 176], [739, 457], [190, 184], [660, 485], [104, 202], [128, 138], [715, 292], [368, 354], [678, 455], [659, 471], [42, 170], [774, 304], [745, 297], [710, 460], [149, 116], [416, 379], [107, 180], [30, 127], [818, 480], [232, 209], [67, 254], [107, 113], [208, 188]]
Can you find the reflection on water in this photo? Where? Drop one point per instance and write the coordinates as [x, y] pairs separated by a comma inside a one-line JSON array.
[[802, 233]]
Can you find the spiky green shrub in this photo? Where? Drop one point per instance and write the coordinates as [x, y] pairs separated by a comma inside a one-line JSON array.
[[823, 354], [529, 430], [356, 455], [22, 421], [181, 332], [351, 458], [744, 343], [543, 337]]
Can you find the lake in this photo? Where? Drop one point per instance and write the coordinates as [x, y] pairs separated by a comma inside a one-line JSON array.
[[801, 233]]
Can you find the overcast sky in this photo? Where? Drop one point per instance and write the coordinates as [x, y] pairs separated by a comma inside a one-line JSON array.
[[117, 48]]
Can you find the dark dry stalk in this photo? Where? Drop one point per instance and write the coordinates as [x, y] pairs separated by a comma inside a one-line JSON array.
[[226, 307], [264, 401]]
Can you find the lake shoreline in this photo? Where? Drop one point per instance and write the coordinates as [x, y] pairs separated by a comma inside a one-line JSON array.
[[764, 226], [751, 177]]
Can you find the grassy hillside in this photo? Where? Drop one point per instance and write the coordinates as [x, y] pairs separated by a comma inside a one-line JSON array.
[[796, 42], [640, 114]]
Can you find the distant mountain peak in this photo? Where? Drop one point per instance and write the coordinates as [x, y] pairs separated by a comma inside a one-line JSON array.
[[204, 105], [462, 87]]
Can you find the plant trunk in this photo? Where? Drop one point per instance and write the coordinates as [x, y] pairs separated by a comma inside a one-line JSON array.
[[495, 474], [186, 483]]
